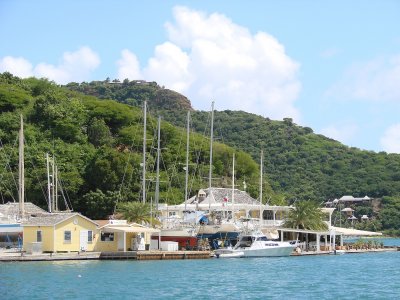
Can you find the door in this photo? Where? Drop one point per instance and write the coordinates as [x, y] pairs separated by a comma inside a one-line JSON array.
[[83, 240], [120, 237]]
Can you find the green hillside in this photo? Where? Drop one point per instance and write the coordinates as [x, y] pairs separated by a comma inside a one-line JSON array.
[[98, 149], [298, 163]]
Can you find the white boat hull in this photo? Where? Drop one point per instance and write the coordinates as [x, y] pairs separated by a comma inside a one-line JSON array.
[[266, 251], [269, 252], [338, 252], [229, 254]]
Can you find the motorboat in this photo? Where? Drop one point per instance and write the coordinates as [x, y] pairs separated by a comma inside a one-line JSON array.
[[338, 252], [256, 244]]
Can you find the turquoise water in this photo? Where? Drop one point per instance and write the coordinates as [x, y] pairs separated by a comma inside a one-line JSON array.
[[350, 276]]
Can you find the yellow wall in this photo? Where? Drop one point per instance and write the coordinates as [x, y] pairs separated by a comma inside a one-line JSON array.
[[29, 236], [105, 246], [68, 225], [113, 246]]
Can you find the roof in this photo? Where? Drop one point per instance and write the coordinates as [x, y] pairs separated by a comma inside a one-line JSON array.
[[347, 209], [128, 228], [304, 231], [11, 209], [51, 219], [354, 199], [223, 195], [354, 232]]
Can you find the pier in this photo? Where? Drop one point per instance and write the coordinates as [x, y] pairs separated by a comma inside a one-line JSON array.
[[9, 256], [120, 255]]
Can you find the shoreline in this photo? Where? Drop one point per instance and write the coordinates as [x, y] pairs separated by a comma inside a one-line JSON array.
[[16, 256]]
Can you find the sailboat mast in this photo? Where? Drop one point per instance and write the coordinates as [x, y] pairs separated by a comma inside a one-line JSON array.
[[144, 152], [233, 187], [261, 185], [211, 152], [187, 157], [157, 194], [21, 170], [48, 182], [53, 200], [56, 185]]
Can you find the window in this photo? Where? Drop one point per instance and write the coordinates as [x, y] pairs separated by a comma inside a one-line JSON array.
[[38, 236], [90, 236], [67, 236], [107, 237]]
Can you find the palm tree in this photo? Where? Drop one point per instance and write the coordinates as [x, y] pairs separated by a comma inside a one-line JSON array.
[[137, 212], [306, 215]]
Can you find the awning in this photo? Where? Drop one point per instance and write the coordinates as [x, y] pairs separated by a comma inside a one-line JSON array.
[[303, 231], [133, 229], [354, 232]]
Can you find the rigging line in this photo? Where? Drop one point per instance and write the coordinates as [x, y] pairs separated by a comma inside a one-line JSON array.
[[198, 153], [174, 168], [9, 168], [69, 199], [175, 165], [135, 148], [125, 171], [125, 185], [151, 152], [36, 173], [66, 200]]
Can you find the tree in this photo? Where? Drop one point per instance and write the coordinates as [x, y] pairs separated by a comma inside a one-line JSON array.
[[99, 205], [137, 212], [306, 215], [98, 133]]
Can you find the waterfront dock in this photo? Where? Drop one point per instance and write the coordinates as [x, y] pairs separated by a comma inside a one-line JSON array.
[[120, 255], [10, 255]]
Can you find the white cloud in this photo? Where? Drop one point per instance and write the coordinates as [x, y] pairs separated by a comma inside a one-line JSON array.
[[128, 66], [75, 66], [375, 80], [343, 133], [17, 66], [169, 67], [390, 141], [208, 57]]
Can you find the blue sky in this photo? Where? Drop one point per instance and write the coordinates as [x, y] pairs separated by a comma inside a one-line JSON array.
[[333, 66]]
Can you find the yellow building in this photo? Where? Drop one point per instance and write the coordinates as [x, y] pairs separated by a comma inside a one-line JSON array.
[[59, 232], [118, 235]]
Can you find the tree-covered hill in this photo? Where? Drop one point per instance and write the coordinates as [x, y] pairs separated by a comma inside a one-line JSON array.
[[298, 162], [98, 149], [134, 93]]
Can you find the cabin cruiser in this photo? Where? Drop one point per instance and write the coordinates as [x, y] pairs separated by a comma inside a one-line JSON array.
[[256, 244]]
